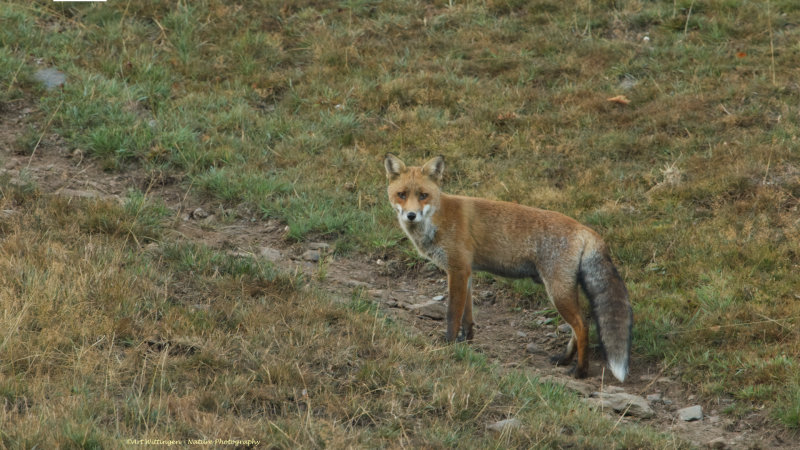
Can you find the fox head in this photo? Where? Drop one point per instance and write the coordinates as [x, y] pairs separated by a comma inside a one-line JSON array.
[[414, 191]]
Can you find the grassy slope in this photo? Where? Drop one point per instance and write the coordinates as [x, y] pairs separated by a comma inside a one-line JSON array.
[[105, 341], [289, 108]]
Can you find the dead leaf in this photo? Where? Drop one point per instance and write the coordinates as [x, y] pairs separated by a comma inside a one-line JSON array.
[[621, 99]]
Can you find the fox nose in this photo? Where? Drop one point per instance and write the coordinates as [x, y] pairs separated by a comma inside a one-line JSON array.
[[411, 216]]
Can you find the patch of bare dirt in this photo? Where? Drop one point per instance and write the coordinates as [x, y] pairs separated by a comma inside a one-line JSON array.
[[519, 339]]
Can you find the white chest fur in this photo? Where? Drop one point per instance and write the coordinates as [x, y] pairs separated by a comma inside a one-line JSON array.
[[423, 236]]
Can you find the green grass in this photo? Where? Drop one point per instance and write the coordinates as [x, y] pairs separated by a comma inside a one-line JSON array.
[[107, 339], [288, 109]]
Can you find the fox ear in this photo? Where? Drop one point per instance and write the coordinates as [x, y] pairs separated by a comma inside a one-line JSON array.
[[394, 167], [434, 168]]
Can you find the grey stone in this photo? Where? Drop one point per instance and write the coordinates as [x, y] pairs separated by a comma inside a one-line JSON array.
[[504, 424], [270, 254], [632, 405], [199, 213], [433, 309], [653, 398], [564, 328], [311, 255], [50, 77], [691, 413], [66, 192]]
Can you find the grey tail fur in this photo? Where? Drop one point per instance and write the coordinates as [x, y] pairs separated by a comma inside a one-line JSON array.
[[610, 307]]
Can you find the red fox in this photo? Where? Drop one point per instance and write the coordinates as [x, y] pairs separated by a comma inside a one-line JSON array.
[[465, 234]]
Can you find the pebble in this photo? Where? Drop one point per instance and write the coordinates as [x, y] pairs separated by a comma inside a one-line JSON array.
[[691, 413], [504, 424], [50, 77], [630, 404], [270, 254], [432, 309], [311, 255], [654, 398], [199, 213]]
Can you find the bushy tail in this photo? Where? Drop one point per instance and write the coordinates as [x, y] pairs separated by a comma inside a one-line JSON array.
[[610, 307]]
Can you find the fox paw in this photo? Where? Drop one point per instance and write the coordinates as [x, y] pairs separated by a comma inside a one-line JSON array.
[[577, 371], [560, 359]]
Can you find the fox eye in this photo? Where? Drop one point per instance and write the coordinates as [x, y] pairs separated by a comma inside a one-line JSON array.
[[423, 196], [402, 195]]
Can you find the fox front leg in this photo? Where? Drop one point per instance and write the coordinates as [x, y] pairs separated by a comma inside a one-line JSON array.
[[458, 281]]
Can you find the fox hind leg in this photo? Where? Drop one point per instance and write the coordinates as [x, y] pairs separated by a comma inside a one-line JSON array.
[[565, 298]]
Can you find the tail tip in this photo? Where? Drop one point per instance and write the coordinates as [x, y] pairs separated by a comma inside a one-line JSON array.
[[619, 369]]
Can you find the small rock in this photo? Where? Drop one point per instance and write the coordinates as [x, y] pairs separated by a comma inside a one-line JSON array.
[[379, 262], [321, 246], [199, 213], [438, 298], [432, 309], [521, 334], [354, 283], [311, 255], [629, 404], [564, 328], [542, 320], [377, 293], [11, 163], [50, 77], [654, 398], [503, 425], [270, 254], [717, 443], [628, 83], [78, 193], [551, 335], [691, 413], [532, 348]]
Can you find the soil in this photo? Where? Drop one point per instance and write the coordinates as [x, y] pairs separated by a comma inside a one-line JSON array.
[[509, 336]]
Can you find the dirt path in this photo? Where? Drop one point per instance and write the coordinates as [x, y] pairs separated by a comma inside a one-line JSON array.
[[521, 339]]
